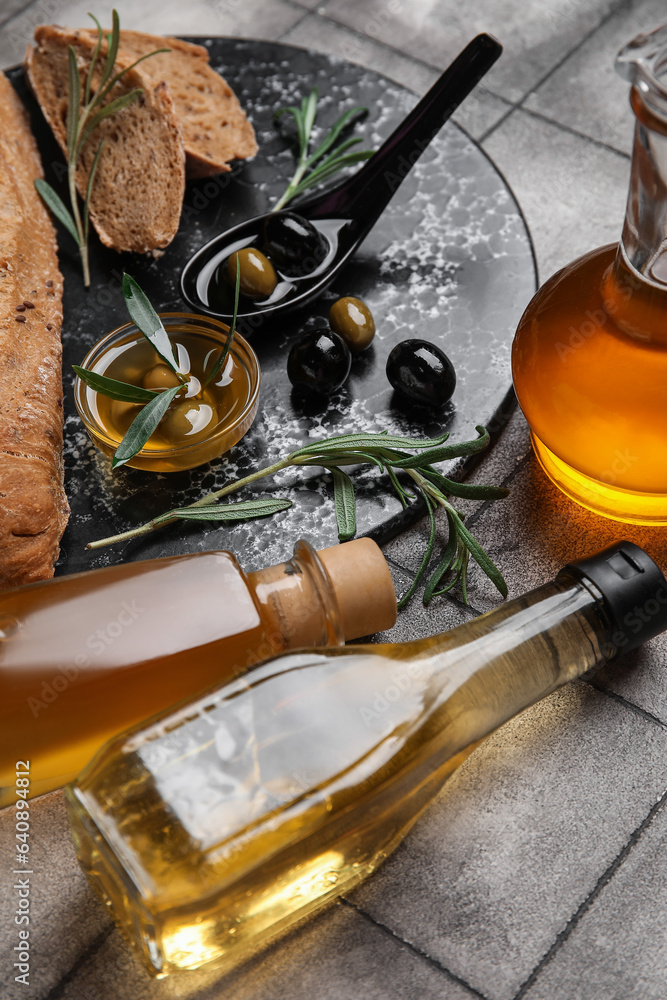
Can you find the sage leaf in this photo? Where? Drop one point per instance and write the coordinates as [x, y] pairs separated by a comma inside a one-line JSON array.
[[470, 491], [430, 506], [111, 387], [243, 510], [482, 559], [442, 452], [345, 504], [341, 458], [55, 204], [387, 452], [144, 424], [369, 442], [444, 565], [148, 321]]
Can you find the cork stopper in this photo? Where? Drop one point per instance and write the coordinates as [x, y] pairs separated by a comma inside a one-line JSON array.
[[363, 586]]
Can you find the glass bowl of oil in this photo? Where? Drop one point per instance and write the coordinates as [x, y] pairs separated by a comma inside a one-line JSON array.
[[201, 424]]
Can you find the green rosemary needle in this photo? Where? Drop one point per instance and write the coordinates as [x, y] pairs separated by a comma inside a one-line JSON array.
[[328, 158]]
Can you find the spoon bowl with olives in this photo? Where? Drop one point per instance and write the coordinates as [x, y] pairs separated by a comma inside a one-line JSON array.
[[288, 259]]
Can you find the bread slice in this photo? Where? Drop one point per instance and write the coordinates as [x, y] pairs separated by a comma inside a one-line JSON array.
[[214, 125], [138, 191], [33, 505]]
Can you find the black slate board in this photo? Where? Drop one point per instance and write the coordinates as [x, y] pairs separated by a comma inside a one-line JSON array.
[[450, 261]]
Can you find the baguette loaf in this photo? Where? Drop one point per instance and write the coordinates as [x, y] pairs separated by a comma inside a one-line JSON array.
[[138, 192], [214, 125], [33, 505]]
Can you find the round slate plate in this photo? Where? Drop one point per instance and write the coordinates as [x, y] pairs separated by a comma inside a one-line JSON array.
[[450, 261]]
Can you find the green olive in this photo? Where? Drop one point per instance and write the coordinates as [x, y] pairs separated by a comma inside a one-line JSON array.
[[258, 276], [160, 377], [188, 420], [352, 320]]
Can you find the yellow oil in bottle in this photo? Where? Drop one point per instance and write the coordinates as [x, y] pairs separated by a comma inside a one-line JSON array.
[[223, 824], [80, 662], [85, 656]]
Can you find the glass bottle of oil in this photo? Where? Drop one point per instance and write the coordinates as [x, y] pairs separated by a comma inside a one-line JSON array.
[[85, 656], [218, 826], [590, 353]]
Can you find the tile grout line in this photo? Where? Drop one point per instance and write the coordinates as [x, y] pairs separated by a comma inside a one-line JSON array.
[[296, 24], [56, 991], [413, 948], [376, 41], [600, 885], [637, 709], [18, 13], [506, 483], [573, 131], [518, 105]]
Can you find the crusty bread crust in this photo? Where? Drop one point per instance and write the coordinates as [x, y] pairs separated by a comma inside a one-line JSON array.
[[138, 191], [33, 505], [214, 125]]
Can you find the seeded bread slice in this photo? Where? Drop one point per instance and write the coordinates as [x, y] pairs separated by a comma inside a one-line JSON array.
[[138, 190], [214, 125], [33, 505]]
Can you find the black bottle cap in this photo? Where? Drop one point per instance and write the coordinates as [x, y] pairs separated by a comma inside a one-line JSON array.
[[634, 590]]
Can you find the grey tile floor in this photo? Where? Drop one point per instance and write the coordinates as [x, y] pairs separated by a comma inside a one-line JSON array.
[[540, 871]]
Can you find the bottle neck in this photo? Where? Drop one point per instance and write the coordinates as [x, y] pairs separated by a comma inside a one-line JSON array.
[[644, 239], [297, 602], [521, 651], [635, 288]]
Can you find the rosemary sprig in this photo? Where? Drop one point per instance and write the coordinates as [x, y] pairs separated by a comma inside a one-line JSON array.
[[155, 403], [84, 113], [309, 171], [388, 452]]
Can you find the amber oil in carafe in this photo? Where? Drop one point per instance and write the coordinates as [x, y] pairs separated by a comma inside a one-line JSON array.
[[219, 826], [590, 354]]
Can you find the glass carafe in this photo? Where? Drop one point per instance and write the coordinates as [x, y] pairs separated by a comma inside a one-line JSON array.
[[590, 353]]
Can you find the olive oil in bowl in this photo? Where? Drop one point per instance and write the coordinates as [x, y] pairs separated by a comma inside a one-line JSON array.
[[203, 421]]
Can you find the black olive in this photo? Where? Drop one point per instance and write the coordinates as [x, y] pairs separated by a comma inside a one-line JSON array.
[[294, 244], [319, 362], [421, 372], [258, 276], [353, 320]]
